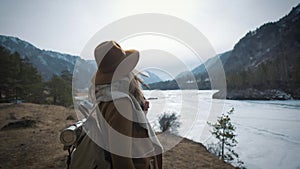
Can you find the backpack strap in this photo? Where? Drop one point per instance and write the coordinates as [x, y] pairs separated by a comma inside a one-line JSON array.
[[85, 108]]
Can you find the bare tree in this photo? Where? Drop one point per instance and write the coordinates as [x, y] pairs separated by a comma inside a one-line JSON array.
[[169, 122]]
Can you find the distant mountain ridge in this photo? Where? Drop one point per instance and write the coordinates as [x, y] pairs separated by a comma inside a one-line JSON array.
[[50, 63], [266, 61], [264, 64], [152, 78]]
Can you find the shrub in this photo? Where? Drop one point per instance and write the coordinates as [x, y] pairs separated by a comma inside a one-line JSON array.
[[169, 122]]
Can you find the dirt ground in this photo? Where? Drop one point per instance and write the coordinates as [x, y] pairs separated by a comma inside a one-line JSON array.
[[29, 139]]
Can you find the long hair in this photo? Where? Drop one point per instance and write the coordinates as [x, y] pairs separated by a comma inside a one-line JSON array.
[[136, 90]]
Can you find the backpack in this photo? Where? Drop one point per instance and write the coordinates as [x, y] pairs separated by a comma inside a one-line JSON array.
[[84, 153]]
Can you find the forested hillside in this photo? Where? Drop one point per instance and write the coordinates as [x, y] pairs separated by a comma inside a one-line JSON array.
[[264, 64], [21, 82]]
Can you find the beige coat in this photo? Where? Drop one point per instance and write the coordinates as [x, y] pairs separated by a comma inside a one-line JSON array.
[[131, 129]]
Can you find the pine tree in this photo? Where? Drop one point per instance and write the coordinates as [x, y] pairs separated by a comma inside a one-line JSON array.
[[67, 76], [224, 131], [7, 74], [19, 79], [60, 90], [33, 86]]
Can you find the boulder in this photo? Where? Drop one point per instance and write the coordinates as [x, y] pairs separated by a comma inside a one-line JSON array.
[[18, 124]]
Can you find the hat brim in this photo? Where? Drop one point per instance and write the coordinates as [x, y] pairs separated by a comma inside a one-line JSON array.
[[124, 68]]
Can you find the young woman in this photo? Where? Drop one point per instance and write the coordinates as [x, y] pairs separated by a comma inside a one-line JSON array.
[[128, 139]]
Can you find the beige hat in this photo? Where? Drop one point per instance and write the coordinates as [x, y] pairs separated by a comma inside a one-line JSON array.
[[113, 62]]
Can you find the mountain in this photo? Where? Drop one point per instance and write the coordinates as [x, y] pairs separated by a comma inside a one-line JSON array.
[[264, 64], [197, 78], [152, 78], [199, 75], [83, 72], [50, 63]]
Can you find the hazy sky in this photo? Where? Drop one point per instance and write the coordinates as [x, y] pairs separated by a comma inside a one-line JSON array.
[[67, 25]]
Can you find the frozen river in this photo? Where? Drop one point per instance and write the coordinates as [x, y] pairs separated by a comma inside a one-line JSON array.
[[268, 131]]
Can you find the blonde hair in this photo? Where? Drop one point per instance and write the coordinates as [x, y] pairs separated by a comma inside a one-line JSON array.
[[136, 90]]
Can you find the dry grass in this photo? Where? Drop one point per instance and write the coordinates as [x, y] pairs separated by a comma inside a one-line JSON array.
[[39, 147], [191, 155]]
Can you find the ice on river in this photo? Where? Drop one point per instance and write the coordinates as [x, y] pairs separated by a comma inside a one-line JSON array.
[[268, 131]]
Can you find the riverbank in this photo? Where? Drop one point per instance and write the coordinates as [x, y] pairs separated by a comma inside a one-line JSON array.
[[254, 94], [34, 142]]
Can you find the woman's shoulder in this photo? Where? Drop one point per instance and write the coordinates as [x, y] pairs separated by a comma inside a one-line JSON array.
[[123, 100], [120, 104]]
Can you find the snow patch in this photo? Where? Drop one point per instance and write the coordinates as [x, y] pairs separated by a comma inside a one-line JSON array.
[[15, 40], [65, 57], [42, 60]]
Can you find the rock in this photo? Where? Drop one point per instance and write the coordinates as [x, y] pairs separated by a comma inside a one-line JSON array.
[[279, 95], [17, 124], [219, 95], [70, 117]]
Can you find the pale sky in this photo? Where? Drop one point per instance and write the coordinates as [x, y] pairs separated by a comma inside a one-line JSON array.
[[67, 25]]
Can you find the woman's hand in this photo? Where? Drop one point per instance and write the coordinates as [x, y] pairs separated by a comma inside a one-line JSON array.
[[146, 106]]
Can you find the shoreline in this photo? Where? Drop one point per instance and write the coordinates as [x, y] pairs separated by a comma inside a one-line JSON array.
[[38, 146]]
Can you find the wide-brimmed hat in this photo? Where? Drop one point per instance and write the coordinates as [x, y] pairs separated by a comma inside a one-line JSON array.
[[113, 62]]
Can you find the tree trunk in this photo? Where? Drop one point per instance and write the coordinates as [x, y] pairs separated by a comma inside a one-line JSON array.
[[54, 99], [223, 140]]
